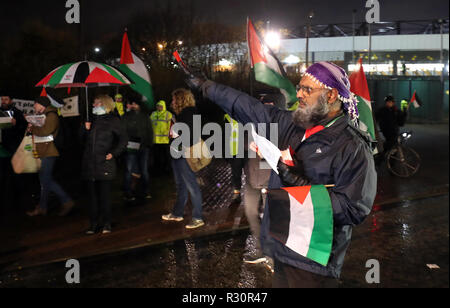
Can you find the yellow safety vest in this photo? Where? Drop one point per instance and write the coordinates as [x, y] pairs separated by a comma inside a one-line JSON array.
[[119, 107], [161, 126], [234, 140]]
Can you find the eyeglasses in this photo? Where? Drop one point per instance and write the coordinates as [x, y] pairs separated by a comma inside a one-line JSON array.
[[307, 90]]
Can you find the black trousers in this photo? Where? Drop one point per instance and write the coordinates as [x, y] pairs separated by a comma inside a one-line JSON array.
[[100, 202], [287, 276], [237, 164], [162, 159]]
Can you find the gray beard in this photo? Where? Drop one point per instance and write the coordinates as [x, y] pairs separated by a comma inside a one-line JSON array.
[[311, 116]]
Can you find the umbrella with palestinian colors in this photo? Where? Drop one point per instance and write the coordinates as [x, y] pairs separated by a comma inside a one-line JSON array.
[[84, 74]]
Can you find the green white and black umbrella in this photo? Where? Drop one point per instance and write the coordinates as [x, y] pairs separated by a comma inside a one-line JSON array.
[[84, 74]]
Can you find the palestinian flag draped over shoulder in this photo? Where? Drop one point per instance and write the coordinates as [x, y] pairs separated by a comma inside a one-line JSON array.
[[302, 219], [358, 85], [136, 70], [267, 67], [416, 101]]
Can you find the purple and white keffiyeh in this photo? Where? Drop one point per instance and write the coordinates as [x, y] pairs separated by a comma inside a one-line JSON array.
[[329, 75]]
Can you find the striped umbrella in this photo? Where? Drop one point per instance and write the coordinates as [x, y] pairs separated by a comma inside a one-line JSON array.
[[84, 74]]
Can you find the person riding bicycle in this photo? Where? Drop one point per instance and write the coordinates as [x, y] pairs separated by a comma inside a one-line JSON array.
[[390, 119]]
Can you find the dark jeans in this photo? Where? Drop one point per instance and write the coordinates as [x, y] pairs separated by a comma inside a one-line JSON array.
[[137, 162], [186, 183], [237, 164], [48, 184], [100, 201], [287, 276], [6, 185]]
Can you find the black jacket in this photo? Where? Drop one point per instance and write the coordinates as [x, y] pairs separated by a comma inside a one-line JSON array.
[[12, 137], [139, 128], [390, 120], [344, 159], [107, 135]]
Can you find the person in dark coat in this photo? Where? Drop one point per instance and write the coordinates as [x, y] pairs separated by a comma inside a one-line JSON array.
[[390, 119], [140, 139], [46, 150], [183, 104], [11, 136], [105, 139], [257, 172], [327, 148]]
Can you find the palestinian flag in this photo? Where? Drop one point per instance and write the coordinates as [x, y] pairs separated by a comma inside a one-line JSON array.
[[302, 219], [136, 70], [416, 101], [267, 67], [358, 85]]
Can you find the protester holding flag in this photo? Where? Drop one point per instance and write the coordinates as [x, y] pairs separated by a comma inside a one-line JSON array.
[[327, 148], [390, 119]]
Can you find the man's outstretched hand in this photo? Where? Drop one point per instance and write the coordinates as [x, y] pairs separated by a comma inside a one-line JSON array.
[[195, 80], [194, 77]]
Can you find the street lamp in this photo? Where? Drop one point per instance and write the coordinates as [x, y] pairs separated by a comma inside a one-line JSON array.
[[272, 39], [97, 50]]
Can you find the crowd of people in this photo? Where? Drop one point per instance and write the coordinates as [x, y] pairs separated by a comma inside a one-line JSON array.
[[321, 136]]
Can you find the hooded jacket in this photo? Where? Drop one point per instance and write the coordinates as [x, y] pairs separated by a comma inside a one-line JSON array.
[[336, 155], [161, 124]]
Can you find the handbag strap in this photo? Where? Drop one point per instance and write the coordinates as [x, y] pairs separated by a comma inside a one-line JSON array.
[[35, 152]]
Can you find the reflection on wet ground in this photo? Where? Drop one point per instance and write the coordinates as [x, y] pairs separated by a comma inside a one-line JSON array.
[[405, 238]]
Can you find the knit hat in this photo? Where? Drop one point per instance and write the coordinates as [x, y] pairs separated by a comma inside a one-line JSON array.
[[331, 76]]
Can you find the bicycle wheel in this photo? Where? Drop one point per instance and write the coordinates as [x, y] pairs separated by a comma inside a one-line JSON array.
[[403, 161]]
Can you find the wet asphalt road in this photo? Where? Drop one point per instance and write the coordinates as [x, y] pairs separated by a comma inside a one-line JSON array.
[[405, 238]]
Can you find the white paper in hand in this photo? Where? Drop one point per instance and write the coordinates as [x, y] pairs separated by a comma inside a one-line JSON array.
[[268, 150]]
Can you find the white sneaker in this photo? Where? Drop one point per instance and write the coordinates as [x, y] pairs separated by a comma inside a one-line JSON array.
[[171, 217], [196, 223], [256, 260]]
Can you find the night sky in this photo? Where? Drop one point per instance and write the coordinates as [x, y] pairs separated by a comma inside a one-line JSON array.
[[109, 16]]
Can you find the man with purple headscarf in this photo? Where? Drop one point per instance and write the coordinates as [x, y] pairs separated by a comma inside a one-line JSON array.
[[327, 147]]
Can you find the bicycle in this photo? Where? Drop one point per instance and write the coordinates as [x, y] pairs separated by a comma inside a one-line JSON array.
[[403, 161]]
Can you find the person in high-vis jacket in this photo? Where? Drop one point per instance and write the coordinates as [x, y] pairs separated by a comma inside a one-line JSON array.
[[161, 122], [118, 101], [237, 162]]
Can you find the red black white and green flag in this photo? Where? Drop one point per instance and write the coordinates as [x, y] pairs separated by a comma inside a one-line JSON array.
[[359, 86], [268, 69], [136, 70], [302, 219], [416, 101]]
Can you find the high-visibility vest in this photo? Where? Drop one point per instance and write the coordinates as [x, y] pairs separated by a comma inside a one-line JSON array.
[[161, 126], [119, 107], [234, 136]]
